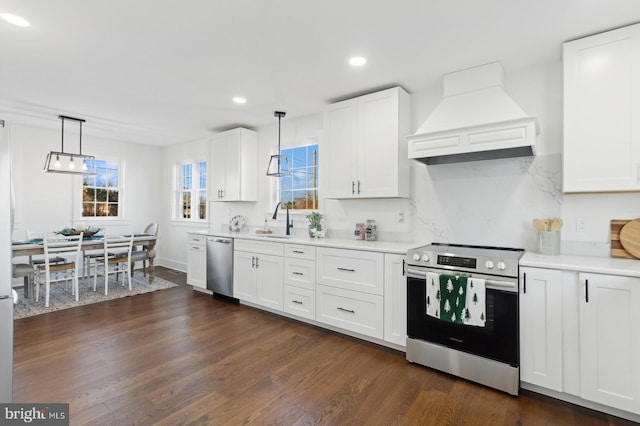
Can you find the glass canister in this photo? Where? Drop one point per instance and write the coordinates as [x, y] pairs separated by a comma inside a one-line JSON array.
[[359, 232]]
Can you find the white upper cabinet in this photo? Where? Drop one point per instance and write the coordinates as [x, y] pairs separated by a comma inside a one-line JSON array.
[[366, 146], [233, 163], [601, 112]]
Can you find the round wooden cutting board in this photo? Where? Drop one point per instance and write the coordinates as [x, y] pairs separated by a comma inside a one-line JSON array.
[[630, 237]]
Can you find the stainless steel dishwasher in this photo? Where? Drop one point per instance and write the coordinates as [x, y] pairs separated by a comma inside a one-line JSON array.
[[220, 265]]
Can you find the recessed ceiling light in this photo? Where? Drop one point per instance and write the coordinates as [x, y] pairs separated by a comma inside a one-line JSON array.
[[15, 20], [239, 100], [357, 61]]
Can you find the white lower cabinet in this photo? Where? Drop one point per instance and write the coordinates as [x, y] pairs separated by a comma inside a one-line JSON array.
[[395, 300], [258, 276], [610, 340], [540, 330], [351, 269], [197, 261], [300, 301], [350, 310]]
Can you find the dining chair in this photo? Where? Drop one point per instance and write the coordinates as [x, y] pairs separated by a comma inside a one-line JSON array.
[[26, 271], [115, 259], [53, 247], [39, 260], [143, 255]]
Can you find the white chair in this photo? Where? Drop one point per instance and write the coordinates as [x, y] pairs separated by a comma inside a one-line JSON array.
[[54, 246], [115, 259], [35, 261], [143, 255]]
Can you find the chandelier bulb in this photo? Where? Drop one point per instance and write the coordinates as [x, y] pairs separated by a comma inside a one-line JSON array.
[[72, 166], [57, 164]]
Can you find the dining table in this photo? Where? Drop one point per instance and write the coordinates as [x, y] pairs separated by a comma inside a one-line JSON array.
[[36, 246]]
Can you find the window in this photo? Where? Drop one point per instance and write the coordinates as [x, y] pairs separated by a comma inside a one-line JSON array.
[[191, 191], [300, 189], [101, 192]]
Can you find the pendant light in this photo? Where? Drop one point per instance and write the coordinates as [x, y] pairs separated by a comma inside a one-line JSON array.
[[65, 162], [278, 165]]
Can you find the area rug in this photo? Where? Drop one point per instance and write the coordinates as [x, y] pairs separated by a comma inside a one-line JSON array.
[[61, 297]]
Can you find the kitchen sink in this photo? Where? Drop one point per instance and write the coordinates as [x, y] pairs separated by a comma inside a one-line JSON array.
[[279, 237]]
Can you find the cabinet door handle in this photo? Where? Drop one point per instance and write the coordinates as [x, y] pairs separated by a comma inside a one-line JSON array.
[[353, 187], [297, 273], [524, 282], [347, 270], [297, 301], [358, 187], [257, 264], [253, 261], [298, 251], [195, 248], [346, 310], [222, 193], [586, 290]]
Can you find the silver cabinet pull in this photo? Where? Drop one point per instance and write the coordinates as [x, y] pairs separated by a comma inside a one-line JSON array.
[[297, 273], [297, 301], [353, 187], [298, 251], [358, 187], [346, 269], [253, 261], [257, 264], [346, 310], [195, 248]]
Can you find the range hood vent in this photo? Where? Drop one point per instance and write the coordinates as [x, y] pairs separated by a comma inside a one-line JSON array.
[[476, 120]]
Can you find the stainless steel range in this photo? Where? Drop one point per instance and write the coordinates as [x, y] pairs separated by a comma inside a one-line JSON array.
[[462, 312]]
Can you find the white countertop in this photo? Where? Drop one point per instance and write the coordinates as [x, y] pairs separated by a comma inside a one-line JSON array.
[[598, 265], [379, 246]]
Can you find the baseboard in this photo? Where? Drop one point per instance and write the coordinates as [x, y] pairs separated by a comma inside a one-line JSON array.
[[169, 263]]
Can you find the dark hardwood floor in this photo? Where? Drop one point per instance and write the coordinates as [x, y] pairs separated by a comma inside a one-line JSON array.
[[181, 357]]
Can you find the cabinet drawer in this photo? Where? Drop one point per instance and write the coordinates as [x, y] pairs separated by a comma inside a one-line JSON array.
[[300, 272], [351, 270], [262, 247], [300, 252], [300, 302], [351, 310], [197, 240]]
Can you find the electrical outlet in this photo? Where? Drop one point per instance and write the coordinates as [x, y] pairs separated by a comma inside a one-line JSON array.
[[580, 224], [401, 217]]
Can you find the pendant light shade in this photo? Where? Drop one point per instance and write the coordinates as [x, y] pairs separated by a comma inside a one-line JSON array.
[[279, 164], [66, 162]]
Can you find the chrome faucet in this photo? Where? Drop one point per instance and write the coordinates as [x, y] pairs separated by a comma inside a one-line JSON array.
[[275, 216]]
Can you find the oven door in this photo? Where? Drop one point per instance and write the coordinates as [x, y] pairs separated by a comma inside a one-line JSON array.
[[497, 340]]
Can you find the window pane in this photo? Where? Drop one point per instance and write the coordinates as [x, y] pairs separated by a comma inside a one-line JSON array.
[[113, 209], [88, 194], [186, 205], [202, 168], [312, 155], [113, 196], [102, 209], [286, 197], [89, 180], [312, 200], [299, 157], [299, 179], [202, 205], [112, 181], [88, 209], [286, 182], [299, 199], [312, 177], [101, 194]]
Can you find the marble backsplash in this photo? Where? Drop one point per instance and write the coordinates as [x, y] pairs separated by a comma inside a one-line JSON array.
[[488, 202]]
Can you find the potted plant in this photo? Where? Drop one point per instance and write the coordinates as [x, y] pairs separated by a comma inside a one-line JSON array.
[[315, 219]]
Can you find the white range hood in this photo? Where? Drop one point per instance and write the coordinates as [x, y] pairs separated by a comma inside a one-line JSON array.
[[476, 120]]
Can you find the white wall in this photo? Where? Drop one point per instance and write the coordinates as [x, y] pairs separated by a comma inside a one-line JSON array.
[[173, 253], [50, 201]]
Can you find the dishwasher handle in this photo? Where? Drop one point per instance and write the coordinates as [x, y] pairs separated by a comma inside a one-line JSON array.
[[219, 240]]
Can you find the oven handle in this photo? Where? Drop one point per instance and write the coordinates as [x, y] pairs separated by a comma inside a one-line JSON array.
[[415, 273]]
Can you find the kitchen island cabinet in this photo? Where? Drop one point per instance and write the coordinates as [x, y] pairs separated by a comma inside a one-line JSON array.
[[363, 136], [601, 106], [233, 164]]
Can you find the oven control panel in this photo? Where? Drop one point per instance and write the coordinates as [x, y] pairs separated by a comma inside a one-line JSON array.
[[457, 261]]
